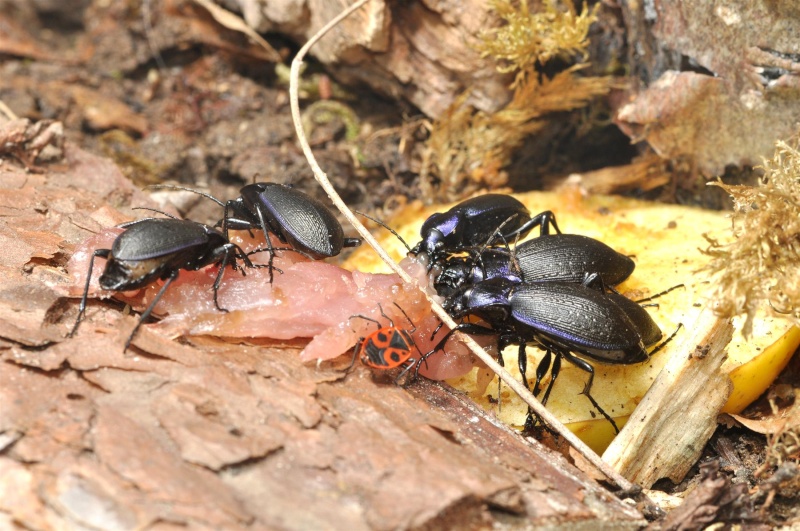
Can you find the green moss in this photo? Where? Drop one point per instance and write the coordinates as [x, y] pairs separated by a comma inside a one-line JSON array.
[[326, 111], [527, 39]]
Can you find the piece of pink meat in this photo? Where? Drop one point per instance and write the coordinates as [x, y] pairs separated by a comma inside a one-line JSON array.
[[310, 299]]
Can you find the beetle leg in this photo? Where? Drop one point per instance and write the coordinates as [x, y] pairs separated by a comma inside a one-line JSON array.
[[436, 330], [230, 224], [271, 258], [218, 280], [542, 369], [271, 250], [543, 220], [522, 363], [351, 242], [553, 375], [587, 367], [245, 257], [240, 255], [149, 309], [226, 219], [103, 253]]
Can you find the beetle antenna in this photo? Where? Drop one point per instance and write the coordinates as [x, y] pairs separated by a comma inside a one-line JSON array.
[[497, 233], [513, 262], [185, 189], [664, 343], [385, 226], [156, 210], [660, 293]]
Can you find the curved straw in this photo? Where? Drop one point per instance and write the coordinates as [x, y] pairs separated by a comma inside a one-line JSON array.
[[509, 380]]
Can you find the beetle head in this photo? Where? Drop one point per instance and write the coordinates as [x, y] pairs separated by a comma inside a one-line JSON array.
[[457, 303], [439, 232], [488, 300], [451, 276], [123, 275]]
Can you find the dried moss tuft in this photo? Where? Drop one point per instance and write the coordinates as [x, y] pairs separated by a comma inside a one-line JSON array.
[[761, 268], [469, 149]]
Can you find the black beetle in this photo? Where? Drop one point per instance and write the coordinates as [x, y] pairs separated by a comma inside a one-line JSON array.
[[551, 257], [293, 216], [571, 320], [646, 327], [574, 314], [473, 222], [156, 248]]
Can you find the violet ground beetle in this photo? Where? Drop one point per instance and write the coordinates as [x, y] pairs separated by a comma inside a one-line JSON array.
[[570, 320], [460, 247]]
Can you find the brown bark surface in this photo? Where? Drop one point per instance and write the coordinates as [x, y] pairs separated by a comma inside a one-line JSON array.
[[423, 52]]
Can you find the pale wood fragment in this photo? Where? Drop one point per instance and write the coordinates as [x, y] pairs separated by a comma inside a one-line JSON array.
[[668, 430]]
